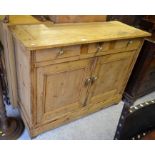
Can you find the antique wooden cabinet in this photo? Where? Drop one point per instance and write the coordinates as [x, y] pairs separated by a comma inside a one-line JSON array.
[[66, 71]]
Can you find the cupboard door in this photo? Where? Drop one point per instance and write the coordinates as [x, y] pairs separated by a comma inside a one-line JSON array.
[[110, 75], [61, 89]]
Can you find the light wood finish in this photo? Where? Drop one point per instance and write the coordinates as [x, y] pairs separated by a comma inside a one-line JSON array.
[[77, 18], [53, 99], [128, 44], [42, 36], [23, 78], [60, 87], [57, 53], [6, 39], [110, 76]]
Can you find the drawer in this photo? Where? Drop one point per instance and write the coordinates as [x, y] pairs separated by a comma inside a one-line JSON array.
[[114, 45], [127, 44], [57, 53], [104, 46]]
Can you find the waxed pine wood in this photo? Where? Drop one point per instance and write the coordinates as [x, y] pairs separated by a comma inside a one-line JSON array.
[[67, 78], [72, 34], [58, 77], [110, 71]]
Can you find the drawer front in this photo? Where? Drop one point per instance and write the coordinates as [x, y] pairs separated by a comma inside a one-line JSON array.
[[92, 48], [57, 53], [114, 45]]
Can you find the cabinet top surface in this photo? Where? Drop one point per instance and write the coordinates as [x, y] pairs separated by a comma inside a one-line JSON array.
[[41, 36]]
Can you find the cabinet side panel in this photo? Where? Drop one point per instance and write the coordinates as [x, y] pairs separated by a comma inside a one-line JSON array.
[[23, 78], [131, 66]]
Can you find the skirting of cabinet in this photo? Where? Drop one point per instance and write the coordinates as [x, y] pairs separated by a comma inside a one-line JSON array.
[[40, 128]]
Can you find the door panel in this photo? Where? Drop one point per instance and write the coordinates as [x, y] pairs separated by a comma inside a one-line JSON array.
[[61, 89], [111, 74]]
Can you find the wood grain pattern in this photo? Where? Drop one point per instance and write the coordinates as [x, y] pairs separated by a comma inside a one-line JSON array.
[[110, 72], [60, 89], [57, 53], [77, 114], [53, 99], [42, 36], [23, 78]]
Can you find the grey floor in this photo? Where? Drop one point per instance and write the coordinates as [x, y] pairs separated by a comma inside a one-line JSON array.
[[98, 126]]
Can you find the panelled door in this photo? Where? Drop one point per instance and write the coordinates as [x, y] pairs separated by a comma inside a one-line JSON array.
[[61, 89], [109, 76], [66, 87]]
